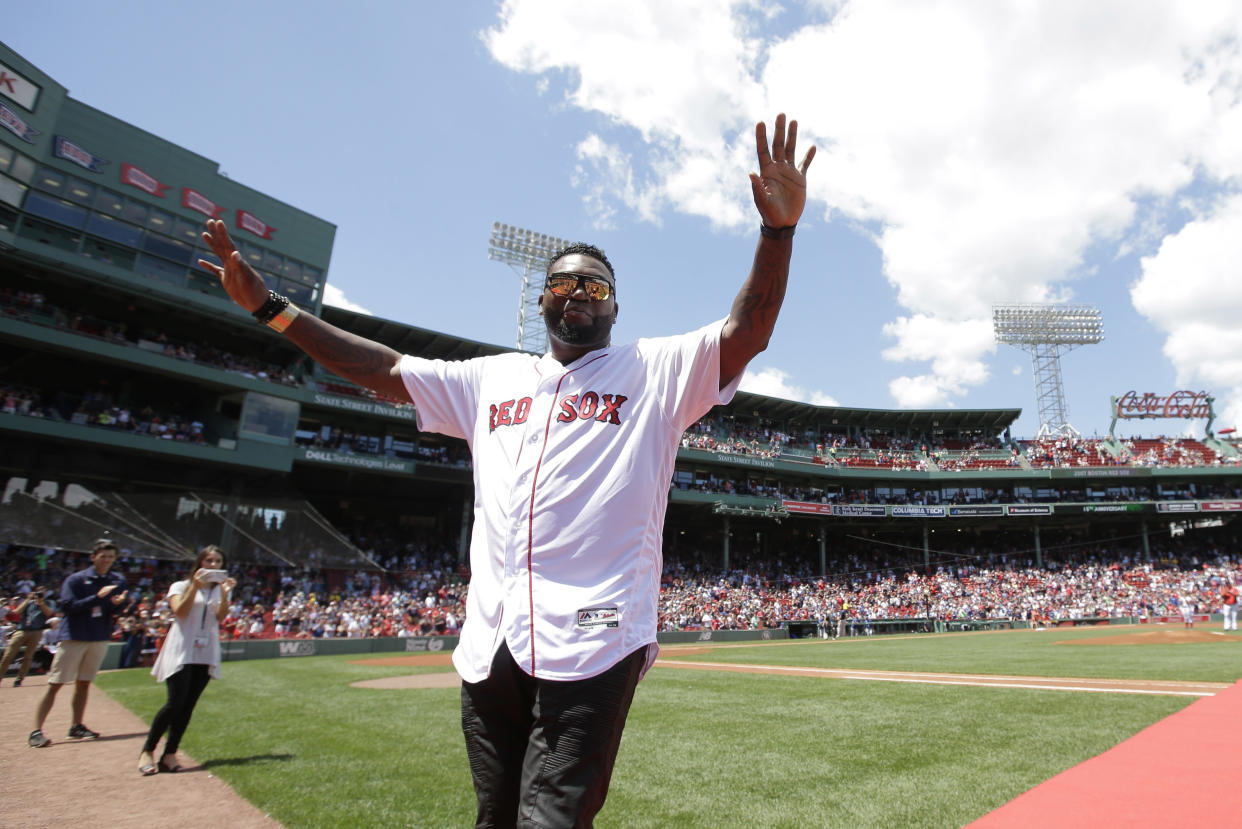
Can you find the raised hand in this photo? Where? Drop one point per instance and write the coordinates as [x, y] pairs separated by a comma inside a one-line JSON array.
[[779, 187], [239, 280]]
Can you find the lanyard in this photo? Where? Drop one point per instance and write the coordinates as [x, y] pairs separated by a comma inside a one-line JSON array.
[[202, 623]]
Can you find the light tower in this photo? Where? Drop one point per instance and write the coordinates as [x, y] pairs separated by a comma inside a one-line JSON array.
[[1047, 332], [527, 253]]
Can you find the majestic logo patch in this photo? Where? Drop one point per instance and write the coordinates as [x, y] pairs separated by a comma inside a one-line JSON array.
[[599, 617]]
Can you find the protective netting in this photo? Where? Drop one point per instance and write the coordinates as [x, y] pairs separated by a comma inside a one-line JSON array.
[[267, 530]]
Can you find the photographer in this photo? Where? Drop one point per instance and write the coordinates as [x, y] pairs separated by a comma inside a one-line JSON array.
[[190, 657], [32, 618], [90, 599]]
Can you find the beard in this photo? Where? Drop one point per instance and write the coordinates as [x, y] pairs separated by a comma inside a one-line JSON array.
[[597, 333]]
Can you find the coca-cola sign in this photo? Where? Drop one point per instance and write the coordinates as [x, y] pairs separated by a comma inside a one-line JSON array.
[[1179, 404]]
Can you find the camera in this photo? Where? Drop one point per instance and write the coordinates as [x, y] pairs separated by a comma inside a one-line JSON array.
[[215, 576]]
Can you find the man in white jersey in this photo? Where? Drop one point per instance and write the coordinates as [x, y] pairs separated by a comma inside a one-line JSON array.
[[573, 455]]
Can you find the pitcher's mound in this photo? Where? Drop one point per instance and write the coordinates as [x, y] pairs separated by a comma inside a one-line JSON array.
[[444, 679], [1156, 637]]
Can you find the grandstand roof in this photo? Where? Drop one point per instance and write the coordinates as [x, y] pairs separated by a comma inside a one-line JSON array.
[[917, 420], [407, 339]]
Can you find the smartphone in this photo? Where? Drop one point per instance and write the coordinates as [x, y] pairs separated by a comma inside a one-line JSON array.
[[215, 576]]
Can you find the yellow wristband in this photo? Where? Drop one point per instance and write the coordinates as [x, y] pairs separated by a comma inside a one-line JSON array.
[[282, 320]]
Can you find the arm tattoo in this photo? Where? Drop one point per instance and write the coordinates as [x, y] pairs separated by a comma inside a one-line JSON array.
[[343, 355], [347, 355], [754, 310]]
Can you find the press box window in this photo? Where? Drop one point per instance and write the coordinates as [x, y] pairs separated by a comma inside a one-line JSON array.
[[110, 203], [162, 270], [50, 181], [58, 210], [252, 255], [104, 225], [11, 191], [268, 419], [187, 231], [169, 248], [23, 169], [135, 212], [80, 192], [297, 292], [159, 220]]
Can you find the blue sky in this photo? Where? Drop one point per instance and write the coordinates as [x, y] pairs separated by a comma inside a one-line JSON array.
[[969, 154]]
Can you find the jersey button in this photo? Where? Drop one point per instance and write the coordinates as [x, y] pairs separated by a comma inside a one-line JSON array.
[[534, 438]]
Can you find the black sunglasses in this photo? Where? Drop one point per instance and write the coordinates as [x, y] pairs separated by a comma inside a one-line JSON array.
[[564, 284]]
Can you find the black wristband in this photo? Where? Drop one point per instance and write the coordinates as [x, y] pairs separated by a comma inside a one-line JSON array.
[[268, 310], [777, 232]]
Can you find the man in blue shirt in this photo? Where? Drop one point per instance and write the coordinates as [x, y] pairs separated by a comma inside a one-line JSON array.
[[90, 599]]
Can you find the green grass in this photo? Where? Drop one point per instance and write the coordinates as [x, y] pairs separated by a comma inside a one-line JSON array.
[[293, 738], [1019, 653], [702, 749]]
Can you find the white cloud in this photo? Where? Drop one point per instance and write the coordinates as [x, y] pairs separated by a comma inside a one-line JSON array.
[[631, 63], [954, 349], [992, 145], [774, 382], [332, 295], [1190, 290], [605, 173]]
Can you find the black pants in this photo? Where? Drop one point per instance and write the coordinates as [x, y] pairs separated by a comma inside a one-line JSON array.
[[541, 751], [184, 689]]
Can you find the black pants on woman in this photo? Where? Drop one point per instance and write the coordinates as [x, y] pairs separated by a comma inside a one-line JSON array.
[[184, 689]]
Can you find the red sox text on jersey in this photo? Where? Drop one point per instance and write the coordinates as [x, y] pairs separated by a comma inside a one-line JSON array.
[[603, 408]]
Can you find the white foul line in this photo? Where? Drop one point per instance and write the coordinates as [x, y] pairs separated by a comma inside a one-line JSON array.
[[942, 679]]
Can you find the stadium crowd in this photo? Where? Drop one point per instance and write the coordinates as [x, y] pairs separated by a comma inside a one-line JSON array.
[[33, 307], [422, 592]]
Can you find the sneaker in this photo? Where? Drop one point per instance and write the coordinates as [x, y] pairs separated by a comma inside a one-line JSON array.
[[81, 732], [17, 683], [37, 740]]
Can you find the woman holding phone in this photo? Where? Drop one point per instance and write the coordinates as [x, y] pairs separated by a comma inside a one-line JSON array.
[[190, 657]]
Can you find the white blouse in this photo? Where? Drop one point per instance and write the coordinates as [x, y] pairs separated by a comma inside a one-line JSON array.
[[194, 640]]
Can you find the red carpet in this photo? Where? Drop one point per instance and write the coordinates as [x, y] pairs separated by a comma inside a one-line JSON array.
[[1185, 770]]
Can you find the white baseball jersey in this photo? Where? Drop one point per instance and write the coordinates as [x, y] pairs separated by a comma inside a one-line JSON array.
[[572, 466]]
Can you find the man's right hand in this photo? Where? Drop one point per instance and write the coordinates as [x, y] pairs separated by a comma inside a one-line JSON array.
[[239, 280], [105, 590], [357, 359]]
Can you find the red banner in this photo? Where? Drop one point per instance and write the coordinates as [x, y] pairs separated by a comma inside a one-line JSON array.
[[1179, 404], [808, 508], [142, 180], [1220, 506], [251, 222], [197, 201]]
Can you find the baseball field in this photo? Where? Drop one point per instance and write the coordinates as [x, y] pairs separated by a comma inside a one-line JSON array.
[[918, 731]]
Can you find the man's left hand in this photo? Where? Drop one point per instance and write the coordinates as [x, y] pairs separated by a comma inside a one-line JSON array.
[[779, 186]]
